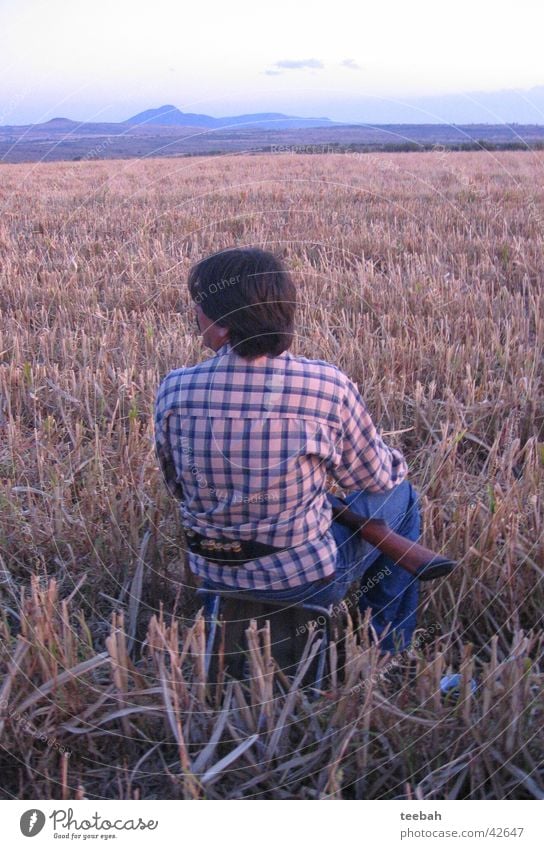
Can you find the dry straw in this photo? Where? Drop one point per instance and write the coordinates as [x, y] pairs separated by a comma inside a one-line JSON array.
[[424, 283]]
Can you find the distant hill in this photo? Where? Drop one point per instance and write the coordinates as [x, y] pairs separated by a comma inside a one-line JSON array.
[[59, 122], [171, 116]]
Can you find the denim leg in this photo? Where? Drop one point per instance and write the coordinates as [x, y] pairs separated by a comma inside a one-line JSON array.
[[390, 591]]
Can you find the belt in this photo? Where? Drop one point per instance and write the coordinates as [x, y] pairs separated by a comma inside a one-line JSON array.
[[228, 552]]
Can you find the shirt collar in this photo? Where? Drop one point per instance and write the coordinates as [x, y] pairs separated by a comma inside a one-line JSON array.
[[228, 349], [224, 349]]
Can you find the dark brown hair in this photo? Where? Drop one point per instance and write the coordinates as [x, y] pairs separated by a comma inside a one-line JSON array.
[[249, 291]]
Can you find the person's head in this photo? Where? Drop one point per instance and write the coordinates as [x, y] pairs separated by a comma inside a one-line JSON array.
[[246, 297]]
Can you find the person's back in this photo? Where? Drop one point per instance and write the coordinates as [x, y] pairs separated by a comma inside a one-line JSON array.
[[253, 443], [247, 439]]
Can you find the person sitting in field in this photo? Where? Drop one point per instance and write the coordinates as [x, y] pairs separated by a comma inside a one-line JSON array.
[[248, 439]]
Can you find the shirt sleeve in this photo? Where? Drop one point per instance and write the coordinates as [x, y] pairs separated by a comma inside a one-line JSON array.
[[163, 450], [366, 462]]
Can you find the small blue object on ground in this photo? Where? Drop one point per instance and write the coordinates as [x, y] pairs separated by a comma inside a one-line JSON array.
[[451, 684]]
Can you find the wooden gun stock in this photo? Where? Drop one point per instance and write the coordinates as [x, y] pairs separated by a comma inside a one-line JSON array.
[[415, 558]]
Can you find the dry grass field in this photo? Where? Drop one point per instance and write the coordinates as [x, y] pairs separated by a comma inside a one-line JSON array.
[[420, 275]]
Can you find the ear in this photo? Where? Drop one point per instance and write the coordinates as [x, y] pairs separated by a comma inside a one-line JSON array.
[[225, 332]]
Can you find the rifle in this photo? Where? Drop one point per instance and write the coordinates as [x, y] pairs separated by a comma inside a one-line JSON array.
[[421, 562]]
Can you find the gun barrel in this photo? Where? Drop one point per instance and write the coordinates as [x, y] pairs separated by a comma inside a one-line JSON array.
[[420, 561]]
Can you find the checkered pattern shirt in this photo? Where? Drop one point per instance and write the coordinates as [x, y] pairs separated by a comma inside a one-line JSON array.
[[247, 448]]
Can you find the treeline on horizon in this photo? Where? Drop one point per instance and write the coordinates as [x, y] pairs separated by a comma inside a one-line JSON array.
[[387, 147]]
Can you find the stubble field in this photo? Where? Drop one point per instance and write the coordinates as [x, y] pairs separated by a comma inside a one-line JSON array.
[[419, 275]]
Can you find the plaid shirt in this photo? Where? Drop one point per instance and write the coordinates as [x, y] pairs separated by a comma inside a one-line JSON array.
[[247, 448]]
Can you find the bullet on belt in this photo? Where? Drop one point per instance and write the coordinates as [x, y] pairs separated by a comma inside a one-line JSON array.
[[215, 545]]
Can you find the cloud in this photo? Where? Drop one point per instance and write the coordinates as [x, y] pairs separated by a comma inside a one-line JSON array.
[[352, 64], [299, 63], [293, 64]]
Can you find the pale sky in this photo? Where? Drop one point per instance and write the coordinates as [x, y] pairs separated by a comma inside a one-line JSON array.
[[108, 59]]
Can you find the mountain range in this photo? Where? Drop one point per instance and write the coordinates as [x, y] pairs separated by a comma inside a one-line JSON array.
[[520, 106], [171, 116]]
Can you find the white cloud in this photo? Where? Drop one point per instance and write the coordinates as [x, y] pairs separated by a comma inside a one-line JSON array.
[[299, 63]]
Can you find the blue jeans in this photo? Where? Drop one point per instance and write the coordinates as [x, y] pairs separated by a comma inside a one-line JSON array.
[[389, 590]]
